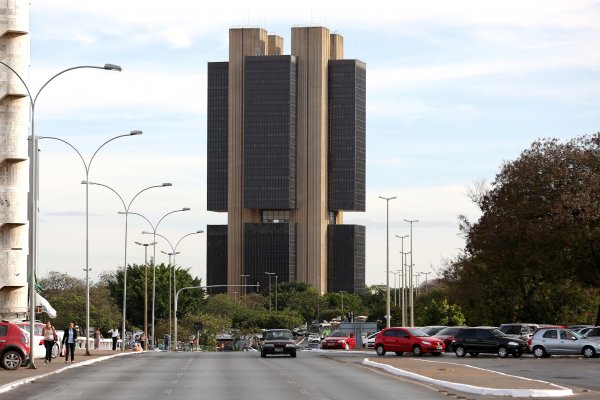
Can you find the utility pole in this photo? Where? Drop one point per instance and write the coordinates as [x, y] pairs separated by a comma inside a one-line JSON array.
[[412, 303]]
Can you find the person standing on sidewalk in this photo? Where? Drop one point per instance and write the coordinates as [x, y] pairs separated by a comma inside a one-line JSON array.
[[69, 340], [97, 337], [114, 334], [50, 337]]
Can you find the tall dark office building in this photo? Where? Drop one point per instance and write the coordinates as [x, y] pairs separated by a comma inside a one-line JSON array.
[[286, 158]]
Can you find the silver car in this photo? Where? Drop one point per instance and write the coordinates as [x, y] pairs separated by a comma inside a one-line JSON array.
[[553, 341]]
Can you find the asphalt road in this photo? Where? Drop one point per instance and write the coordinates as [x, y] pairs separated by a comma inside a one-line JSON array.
[[312, 375], [223, 376]]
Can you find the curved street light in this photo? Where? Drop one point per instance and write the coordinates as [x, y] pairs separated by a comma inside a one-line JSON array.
[[154, 228], [173, 253], [87, 167], [34, 190], [126, 213]]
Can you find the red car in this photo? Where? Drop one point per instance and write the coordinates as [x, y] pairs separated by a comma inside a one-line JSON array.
[[339, 340], [14, 345], [400, 340]]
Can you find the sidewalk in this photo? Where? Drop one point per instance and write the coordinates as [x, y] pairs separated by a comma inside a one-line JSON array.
[[9, 379], [467, 379]]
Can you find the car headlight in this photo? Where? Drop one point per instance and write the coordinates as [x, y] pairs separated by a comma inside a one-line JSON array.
[[341, 341], [290, 345], [268, 345], [513, 343], [426, 342]]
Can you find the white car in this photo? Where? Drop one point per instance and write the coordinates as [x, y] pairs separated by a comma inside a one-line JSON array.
[[369, 342], [314, 338], [38, 340]]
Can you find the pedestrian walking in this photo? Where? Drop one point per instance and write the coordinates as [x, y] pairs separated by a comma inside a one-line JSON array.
[[167, 341], [50, 338], [114, 334], [132, 341], [143, 341], [68, 341], [97, 337]]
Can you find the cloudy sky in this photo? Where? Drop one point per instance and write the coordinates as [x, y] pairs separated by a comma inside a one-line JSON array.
[[454, 89]]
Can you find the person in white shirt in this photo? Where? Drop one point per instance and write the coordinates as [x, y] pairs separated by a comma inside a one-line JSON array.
[[114, 333]]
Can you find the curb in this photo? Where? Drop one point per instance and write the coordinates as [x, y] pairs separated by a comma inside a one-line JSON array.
[[12, 385], [559, 392]]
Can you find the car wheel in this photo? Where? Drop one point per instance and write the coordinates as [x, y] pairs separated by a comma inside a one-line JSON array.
[[416, 350], [263, 354], [293, 355], [55, 350], [380, 350], [460, 351], [502, 352], [11, 360], [588, 352], [346, 346], [399, 353], [539, 352], [473, 354]]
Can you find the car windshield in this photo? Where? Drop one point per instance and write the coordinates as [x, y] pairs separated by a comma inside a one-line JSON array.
[[338, 334], [511, 329], [578, 335], [274, 335], [450, 331], [418, 332], [498, 332]]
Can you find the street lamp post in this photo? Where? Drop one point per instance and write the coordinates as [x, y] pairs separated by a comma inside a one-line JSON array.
[[87, 166], [276, 290], [387, 260], [426, 273], [412, 308], [403, 279], [34, 193], [270, 274], [244, 276], [126, 213], [416, 275], [395, 290], [145, 289], [171, 268], [154, 228], [174, 252]]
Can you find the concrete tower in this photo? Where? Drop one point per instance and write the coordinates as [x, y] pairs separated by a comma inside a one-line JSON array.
[[14, 165]]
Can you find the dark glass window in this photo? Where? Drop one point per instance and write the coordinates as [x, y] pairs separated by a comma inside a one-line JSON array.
[[270, 132], [216, 132]]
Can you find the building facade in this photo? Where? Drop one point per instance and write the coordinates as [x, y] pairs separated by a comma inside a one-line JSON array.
[[14, 165], [286, 157]]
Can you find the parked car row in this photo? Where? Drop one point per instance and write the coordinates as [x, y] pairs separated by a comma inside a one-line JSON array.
[[507, 340]]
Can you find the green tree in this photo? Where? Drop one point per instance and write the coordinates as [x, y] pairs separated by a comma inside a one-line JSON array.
[[442, 313], [534, 254], [67, 295], [189, 301]]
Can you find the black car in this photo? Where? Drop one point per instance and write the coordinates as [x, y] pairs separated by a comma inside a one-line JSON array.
[[278, 341], [487, 340]]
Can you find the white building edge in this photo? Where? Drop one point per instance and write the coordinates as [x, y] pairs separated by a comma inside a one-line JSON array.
[[14, 162]]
